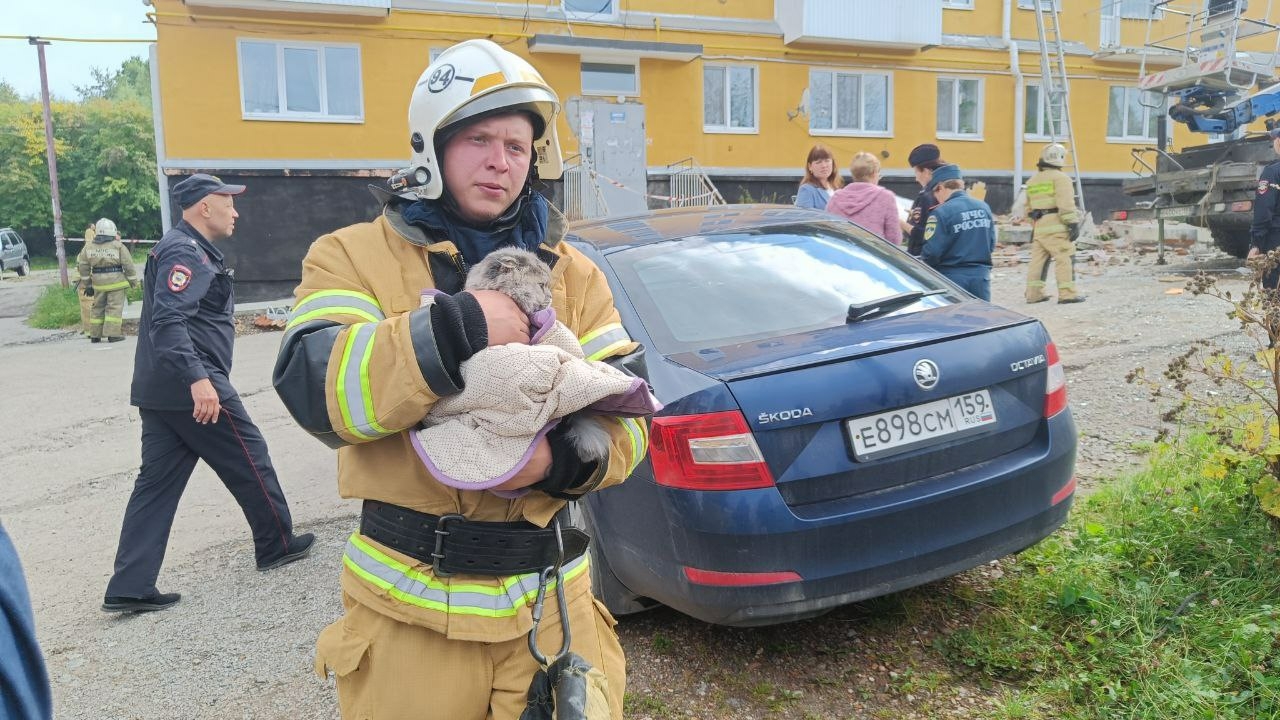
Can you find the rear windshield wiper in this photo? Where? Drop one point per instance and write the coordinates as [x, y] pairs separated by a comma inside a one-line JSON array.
[[886, 305]]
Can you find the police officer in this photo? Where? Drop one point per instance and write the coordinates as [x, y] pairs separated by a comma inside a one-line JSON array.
[[421, 602], [1264, 234], [924, 159], [960, 234], [188, 407], [108, 266], [1051, 205]]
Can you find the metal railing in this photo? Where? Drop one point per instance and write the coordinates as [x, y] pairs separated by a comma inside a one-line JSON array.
[[690, 186]]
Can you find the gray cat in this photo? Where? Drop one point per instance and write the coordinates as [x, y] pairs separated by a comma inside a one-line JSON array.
[[524, 278]]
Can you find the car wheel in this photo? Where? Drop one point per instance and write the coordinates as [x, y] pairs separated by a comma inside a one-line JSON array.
[[606, 586], [24, 268]]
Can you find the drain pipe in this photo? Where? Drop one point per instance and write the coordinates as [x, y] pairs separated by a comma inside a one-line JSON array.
[[1019, 93]]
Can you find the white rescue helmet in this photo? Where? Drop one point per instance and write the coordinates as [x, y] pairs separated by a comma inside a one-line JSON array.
[[471, 79], [105, 227], [1055, 155]]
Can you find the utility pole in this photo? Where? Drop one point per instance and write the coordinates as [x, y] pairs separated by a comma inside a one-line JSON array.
[[60, 240]]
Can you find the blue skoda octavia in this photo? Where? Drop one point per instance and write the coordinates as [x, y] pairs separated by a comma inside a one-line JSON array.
[[841, 422]]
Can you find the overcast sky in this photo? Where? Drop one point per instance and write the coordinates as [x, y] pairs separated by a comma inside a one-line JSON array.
[[69, 62]]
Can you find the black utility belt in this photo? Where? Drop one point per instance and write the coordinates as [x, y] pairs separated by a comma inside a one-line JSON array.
[[452, 544], [113, 268], [1037, 214]]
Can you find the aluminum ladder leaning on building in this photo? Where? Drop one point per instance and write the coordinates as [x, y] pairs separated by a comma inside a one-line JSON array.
[[1056, 92]]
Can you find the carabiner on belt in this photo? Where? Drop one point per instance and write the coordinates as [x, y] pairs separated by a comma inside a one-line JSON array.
[[547, 575]]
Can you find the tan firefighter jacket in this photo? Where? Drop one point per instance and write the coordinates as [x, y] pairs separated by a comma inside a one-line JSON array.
[[359, 368], [1049, 189], [106, 264]]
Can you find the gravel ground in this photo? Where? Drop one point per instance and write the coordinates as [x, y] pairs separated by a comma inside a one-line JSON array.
[[240, 644]]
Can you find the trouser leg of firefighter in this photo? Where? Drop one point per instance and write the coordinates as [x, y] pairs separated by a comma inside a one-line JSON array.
[[167, 463], [235, 449], [97, 314], [113, 312], [378, 663], [1064, 264], [1037, 271], [86, 311]]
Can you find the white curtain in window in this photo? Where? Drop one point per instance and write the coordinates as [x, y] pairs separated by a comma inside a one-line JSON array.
[[713, 96], [742, 97], [970, 97], [302, 80], [258, 79], [946, 105], [342, 80], [848, 107], [591, 7], [875, 94], [819, 100]]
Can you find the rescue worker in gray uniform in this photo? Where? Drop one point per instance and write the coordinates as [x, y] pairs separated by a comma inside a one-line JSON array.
[[960, 234], [106, 274]]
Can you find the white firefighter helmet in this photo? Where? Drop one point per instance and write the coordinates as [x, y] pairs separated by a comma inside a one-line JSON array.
[[105, 227], [1055, 155], [468, 80]]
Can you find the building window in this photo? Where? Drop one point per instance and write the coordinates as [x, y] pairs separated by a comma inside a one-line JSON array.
[[591, 9], [729, 99], [610, 79], [1134, 9], [960, 108], [1133, 114], [1040, 109], [849, 102], [958, 4], [300, 81], [1046, 4]]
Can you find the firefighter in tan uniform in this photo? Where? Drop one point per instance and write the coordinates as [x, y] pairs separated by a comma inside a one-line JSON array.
[[438, 598], [1051, 206], [108, 266]]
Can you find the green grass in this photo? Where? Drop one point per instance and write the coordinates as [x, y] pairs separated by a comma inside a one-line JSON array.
[[1159, 599], [59, 307]]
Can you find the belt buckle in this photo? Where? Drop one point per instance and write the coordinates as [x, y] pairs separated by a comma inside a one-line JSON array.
[[437, 555]]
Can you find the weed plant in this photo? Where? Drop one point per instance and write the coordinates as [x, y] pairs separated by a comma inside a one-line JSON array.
[[1160, 598], [59, 307]]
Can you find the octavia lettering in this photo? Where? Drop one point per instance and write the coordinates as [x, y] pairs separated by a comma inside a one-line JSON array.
[[1028, 363]]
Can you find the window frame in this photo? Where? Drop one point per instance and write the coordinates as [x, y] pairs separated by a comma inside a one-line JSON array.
[[634, 64], [611, 14], [727, 128], [1030, 5], [957, 4], [285, 115], [1043, 109], [976, 136], [834, 131], [1130, 139]]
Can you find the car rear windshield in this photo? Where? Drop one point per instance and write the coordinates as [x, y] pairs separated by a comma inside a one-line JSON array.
[[717, 290]]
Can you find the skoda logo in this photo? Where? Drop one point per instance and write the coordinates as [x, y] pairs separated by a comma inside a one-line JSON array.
[[440, 78], [926, 374]]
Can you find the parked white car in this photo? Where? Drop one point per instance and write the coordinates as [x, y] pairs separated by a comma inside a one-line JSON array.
[[13, 253]]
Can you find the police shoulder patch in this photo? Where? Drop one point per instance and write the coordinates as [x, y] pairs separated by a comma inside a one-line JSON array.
[[1262, 187], [931, 227], [179, 278]]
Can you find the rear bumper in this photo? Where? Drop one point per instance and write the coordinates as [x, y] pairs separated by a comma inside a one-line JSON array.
[[846, 551]]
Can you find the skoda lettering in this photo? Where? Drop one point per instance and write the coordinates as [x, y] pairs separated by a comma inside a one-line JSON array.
[[765, 418]]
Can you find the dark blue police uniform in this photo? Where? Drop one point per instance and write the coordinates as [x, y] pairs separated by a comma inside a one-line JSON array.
[[185, 335], [959, 238], [920, 209], [1264, 234]]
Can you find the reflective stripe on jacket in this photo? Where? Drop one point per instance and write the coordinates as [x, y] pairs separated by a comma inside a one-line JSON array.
[[96, 257], [1048, 189], [359, 367]]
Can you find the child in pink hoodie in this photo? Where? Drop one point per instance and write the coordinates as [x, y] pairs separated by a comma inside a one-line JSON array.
[[866, 203]]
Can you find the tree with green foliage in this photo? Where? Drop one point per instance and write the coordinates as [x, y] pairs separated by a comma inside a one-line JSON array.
[[105, 145]]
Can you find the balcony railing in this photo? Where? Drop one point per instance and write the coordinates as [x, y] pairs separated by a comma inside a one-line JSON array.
[[900, 24]]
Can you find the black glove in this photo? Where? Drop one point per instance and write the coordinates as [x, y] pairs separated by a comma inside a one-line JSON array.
[[1073, 231], [88, 291]]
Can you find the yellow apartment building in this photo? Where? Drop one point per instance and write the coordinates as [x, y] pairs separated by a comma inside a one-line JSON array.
[[306, 100]]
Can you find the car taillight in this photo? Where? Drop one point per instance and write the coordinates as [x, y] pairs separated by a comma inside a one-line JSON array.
[[1055, 383], [1242, 206], [740, 579], [1120, 215], [710, 451]]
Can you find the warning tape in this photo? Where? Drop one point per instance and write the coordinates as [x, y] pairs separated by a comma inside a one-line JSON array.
[[668, 198]]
